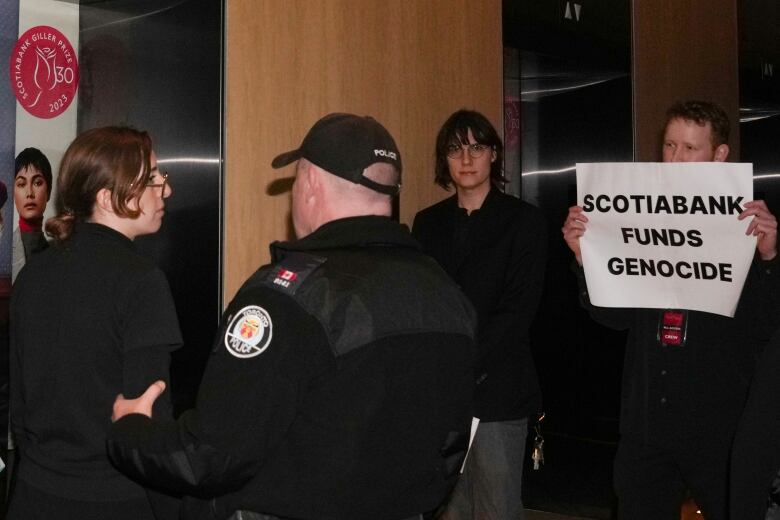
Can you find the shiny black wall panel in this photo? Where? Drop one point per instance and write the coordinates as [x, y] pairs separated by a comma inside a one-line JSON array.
[[576, 106], [156, 65], [759, 89]]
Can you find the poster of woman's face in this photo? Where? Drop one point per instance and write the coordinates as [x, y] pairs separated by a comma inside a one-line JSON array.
[[32, 185], [32, 190]]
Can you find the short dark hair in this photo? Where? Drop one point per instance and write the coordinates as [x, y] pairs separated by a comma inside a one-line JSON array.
[[701, 113], [35, 158], [456, 130]]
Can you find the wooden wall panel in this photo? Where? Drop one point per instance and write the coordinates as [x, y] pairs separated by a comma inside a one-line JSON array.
[[289, 62], [682, 50]]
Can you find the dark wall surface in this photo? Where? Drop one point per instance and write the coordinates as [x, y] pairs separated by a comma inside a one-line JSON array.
[[759, 88], [9, 32], [156, 65], [575, 90]]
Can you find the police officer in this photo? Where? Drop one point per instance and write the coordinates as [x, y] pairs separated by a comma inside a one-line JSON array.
[[339, 383]]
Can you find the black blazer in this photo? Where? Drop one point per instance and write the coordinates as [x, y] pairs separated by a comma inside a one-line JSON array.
[[501, 270]]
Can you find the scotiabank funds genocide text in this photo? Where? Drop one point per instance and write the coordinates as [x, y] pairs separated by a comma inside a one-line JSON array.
[[670, 205]]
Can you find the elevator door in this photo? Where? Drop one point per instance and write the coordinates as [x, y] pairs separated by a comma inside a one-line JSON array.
[[567, 76], [156, 65]]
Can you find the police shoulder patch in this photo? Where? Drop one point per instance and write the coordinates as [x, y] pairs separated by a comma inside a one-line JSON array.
[[249, 332]]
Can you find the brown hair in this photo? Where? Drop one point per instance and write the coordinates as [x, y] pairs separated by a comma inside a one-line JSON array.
[[115, 158], [701, 113]]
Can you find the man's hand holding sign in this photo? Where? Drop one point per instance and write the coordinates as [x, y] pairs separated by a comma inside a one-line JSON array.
[[764, 226]]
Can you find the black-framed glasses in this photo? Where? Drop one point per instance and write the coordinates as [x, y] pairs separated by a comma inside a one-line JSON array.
[[455, 151], [162, 184]]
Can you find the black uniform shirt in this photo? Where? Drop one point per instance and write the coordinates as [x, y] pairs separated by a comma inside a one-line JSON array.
[[338, 387], [89, 320]]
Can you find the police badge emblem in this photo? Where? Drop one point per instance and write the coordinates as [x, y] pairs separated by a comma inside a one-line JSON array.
[[249, 332]]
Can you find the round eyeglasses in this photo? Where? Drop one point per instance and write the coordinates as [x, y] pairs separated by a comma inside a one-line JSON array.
[[455, 151], [162, 184]]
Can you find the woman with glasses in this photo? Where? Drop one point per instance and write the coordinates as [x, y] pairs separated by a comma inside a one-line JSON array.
[[494, 246], [91, 318]]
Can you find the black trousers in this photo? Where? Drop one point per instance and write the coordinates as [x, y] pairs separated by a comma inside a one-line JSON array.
[[651, 482], [755, 459], [31, 503]]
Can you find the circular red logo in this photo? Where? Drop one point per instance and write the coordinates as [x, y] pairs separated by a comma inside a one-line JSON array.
[[44, 72]]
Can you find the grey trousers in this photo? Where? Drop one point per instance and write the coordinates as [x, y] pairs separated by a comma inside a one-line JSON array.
[[490, 487]]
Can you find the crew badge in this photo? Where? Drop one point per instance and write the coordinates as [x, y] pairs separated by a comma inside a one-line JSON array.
[[249, 332]]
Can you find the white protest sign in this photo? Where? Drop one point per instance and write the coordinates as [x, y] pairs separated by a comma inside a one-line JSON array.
[[666, 235]]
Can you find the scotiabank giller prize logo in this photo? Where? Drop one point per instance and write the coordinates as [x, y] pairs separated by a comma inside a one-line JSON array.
[[44, 72]]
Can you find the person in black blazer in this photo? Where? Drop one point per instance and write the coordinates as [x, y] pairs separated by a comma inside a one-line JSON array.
[[494, 246]]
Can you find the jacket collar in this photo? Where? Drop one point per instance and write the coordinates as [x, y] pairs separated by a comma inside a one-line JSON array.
[[86, 230], [364, 231], [491, 199]]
